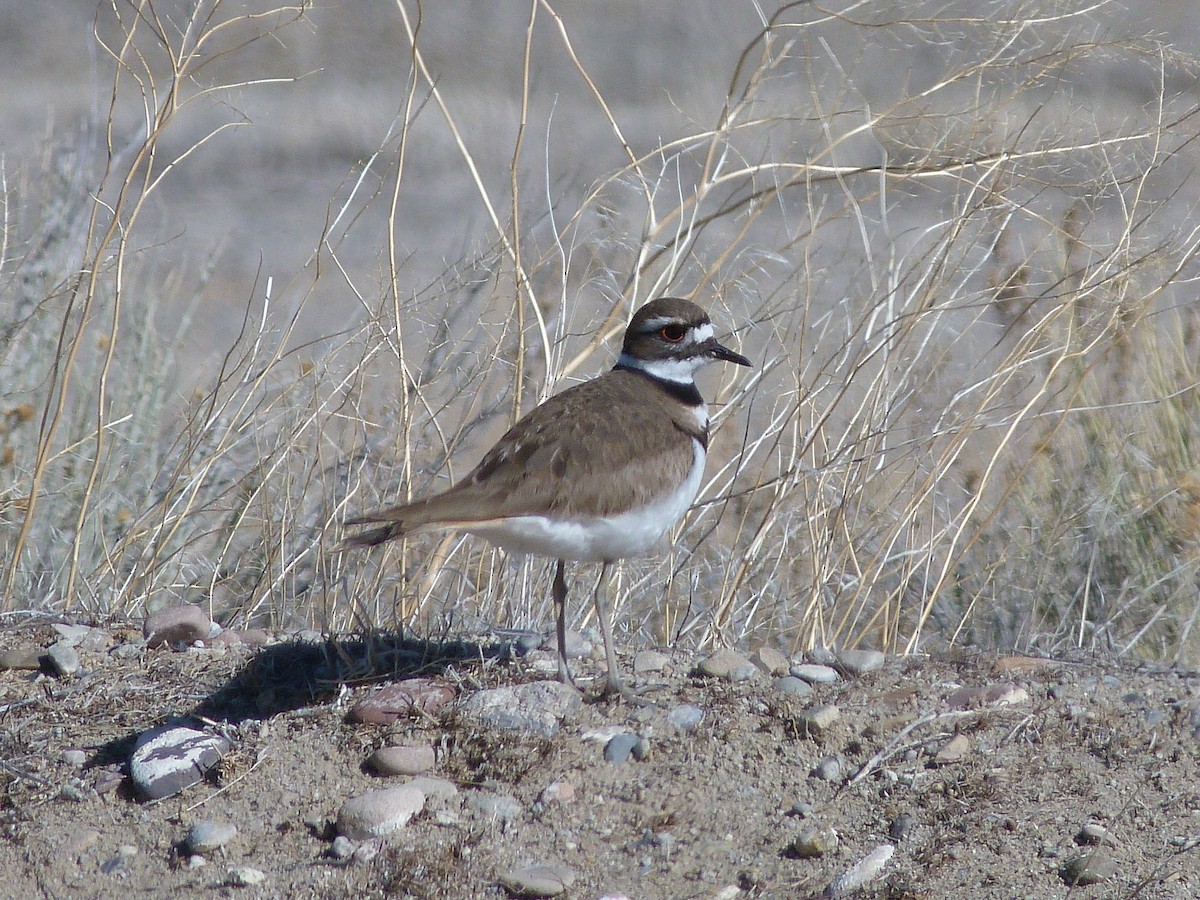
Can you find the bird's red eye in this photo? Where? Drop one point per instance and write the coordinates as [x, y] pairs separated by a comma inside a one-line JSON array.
[[673, 333]]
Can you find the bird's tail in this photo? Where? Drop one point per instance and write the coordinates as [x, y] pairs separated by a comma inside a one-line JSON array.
[[369, 538]]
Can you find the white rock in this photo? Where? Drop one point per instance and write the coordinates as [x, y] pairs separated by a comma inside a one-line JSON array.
[[379, 813]]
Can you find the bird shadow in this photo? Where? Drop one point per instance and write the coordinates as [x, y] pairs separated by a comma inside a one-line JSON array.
[[294, 674]]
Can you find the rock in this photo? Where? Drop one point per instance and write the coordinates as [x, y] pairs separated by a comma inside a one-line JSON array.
[[801, 808], [170, 758], [402, 760], [578, 646], [77, 843], [987, 695], [379, 813], [646, 661], [685, 716], [245, 876], [617, 750], [63, 659], [641, 750], [770, 660], [256, 637], [207, 837], [403, 698], [75, 758], [178, 625], [954, 749], [439, 789], [901, 826], [861, 662], [815, 673], [502, 808], [1093, 867], [557, 792], [816, 721], [536, 708], [538, 880], [729, 665], [812, 841], [861, 873], [83, 637], [828, 769], [342, 847], [1096, 834], [1020, 665], [793, 686], [21, 658]]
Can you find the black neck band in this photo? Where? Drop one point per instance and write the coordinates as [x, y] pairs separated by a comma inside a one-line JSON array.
[[687, 394]]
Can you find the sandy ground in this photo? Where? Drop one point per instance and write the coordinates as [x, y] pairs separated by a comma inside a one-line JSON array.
[[973, 793]]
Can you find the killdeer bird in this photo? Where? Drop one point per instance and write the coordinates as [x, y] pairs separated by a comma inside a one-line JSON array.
[[597, 473]]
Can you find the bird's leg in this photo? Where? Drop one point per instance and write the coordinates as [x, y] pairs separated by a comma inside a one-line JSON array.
[[559, 593], [612, 680]]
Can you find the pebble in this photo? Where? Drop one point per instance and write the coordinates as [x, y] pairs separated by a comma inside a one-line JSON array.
[[954, 749], [861, 662], [83, 637], [617, 750], [817, 720], [402, 760], [987, 695], [1093, 867], [379, 813], [646, 661], [578, 646], [116, 863], [770, 660], [77, 843], [728, 665], [685, 716], [1096, 834], [537, 708], [207, 837], [403, 698], [21, 658], [538, 880], [815, 673], [63, 659], [862, 872], [641, 750], [439, 789], [502, 808], [828, 769], [793, 686], [801, 808], [128, 650], [245, 876], [812, 841], [178, 625], [75, 758], [901, 826], [170, 758], [557, 792], [1020, 665], [342, 848]]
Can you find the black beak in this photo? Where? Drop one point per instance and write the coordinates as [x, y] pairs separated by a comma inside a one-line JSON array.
[[720, 351]]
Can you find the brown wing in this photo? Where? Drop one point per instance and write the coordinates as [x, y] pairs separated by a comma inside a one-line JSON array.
[[619, 441]]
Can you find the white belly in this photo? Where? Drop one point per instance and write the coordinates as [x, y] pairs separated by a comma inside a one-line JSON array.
[[596, 539]]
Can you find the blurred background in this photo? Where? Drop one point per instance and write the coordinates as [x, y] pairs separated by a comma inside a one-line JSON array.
[[264, 266], [255, 201]]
